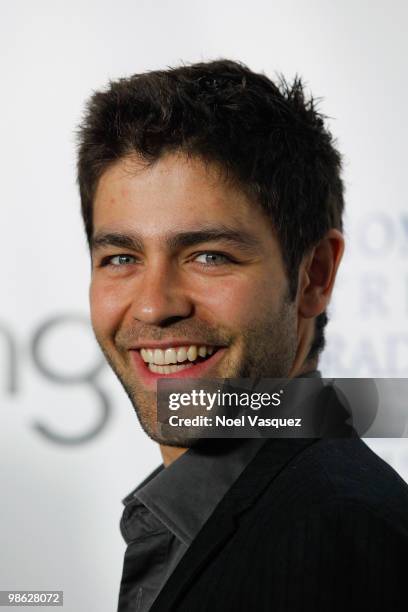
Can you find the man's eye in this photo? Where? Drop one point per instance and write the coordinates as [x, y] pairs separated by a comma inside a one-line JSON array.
[[119, 260], [212, 259]]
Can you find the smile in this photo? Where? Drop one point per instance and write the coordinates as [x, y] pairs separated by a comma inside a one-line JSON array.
[[182, 361], [175, 359]]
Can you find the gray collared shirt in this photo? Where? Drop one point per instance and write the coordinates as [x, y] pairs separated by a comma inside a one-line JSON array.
[[164, 514]]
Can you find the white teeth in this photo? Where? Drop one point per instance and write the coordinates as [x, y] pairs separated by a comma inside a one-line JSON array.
[[182, 354], [174, 355], [147, 355], [170, 356], [192, 353], [158, 356], [167, 369]]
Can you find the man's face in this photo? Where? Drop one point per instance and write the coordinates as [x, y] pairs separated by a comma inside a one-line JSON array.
[[185, 270]]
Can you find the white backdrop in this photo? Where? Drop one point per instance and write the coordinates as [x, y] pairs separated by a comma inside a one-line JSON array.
[[71, 446]]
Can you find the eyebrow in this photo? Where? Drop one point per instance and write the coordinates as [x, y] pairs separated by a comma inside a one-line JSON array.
[[134, 242]]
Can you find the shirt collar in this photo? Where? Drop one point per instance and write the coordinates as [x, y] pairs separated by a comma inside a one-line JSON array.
[[185, 494]]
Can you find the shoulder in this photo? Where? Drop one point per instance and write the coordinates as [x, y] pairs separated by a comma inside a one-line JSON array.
[[334, 503], [331, 526], [344, 474]]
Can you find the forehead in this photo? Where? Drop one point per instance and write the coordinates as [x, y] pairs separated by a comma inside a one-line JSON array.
[[174, 193]]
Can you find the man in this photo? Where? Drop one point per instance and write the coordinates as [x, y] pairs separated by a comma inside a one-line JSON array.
[[213, 201]]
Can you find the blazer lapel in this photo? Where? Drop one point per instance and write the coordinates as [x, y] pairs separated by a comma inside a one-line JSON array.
[[266, 465]]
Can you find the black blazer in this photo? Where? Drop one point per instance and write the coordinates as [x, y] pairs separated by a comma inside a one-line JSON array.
[[317, 525]]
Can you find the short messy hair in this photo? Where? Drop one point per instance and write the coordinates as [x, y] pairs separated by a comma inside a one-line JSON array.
[[267, 137]]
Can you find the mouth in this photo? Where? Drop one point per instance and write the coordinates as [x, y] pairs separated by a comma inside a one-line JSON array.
[[190, 361]]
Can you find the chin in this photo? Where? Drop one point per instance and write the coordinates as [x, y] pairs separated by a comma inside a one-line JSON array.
[[175, 441]]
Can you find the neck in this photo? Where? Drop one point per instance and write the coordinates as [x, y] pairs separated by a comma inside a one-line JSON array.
[[171, 453], [301, 365], [309, 366]]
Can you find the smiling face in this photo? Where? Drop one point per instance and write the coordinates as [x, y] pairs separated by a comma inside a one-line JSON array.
[[187, 280]]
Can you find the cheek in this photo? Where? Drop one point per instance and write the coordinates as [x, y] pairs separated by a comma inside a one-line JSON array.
[[107, 307], [237, 302]]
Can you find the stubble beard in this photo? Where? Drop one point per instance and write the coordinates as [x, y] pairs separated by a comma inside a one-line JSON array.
[[268, 351]]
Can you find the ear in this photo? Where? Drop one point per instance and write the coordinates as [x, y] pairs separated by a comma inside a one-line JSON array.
[[317, 274]]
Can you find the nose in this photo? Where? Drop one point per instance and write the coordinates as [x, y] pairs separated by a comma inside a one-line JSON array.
[[161, 296]]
